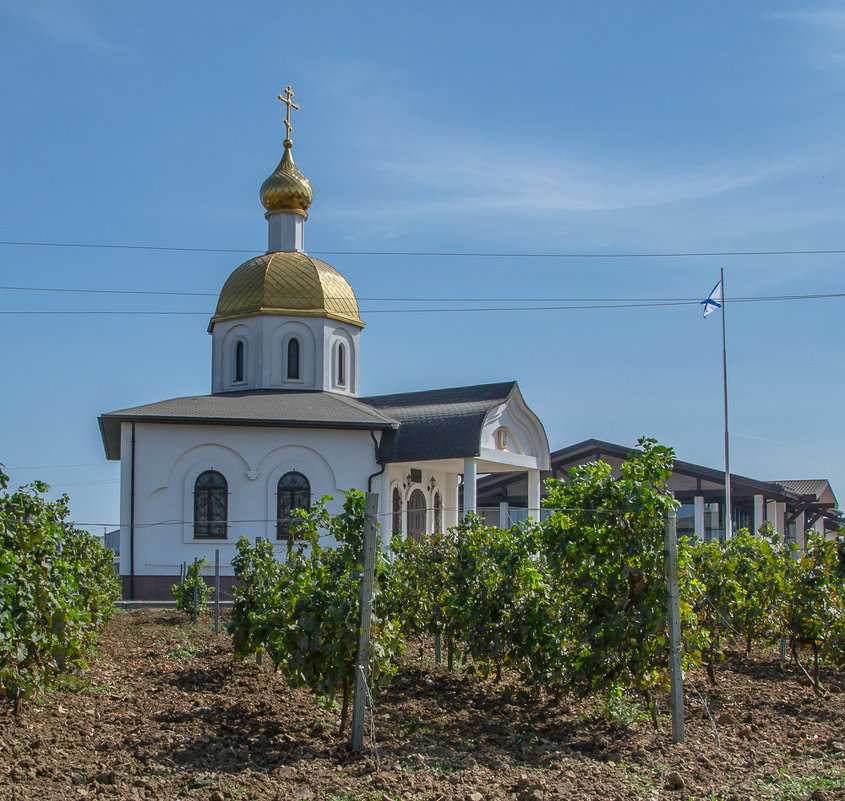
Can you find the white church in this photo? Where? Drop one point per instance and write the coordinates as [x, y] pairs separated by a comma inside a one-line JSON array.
[[285, 423]]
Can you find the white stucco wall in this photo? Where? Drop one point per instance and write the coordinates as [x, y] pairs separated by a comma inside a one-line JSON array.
[[168, 459]]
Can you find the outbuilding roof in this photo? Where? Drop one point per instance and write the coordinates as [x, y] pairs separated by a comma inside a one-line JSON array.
[[810, 486], [301, 409]]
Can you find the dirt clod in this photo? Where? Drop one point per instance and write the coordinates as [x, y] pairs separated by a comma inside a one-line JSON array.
[[674, 780]]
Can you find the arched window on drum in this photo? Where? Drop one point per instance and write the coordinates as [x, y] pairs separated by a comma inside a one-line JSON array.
[[239, 361], [293, 358]]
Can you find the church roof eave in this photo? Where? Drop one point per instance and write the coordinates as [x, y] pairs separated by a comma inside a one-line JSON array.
[[305, 409], [343, 318]]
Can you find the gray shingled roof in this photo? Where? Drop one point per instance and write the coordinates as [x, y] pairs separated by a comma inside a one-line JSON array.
[[437, 423], [288, 409], [811, 486], [591, 449]]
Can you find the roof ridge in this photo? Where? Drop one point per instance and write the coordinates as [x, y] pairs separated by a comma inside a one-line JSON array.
[[356, 402], [431, 392]]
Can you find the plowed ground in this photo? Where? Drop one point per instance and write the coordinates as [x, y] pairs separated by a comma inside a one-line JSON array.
[[167, 713]]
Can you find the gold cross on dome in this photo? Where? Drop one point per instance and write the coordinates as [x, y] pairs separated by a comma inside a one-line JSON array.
[[287, 99]]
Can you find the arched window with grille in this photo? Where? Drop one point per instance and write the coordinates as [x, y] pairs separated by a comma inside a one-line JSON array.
[[239, 360], [293, 358], [211, 505], [438, 513], [396, 522], [292, 492], [416, 515]]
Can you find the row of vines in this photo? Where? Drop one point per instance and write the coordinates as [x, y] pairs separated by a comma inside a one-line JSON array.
[[574, 605], [57, 591]]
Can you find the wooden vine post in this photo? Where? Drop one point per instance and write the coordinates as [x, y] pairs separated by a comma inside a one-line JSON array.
[[676, 676], [359, 702]]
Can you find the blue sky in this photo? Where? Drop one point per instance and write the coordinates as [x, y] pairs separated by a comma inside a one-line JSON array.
[[572, 127]]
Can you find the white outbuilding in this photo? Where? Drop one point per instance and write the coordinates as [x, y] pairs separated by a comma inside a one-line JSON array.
[[285, 424]]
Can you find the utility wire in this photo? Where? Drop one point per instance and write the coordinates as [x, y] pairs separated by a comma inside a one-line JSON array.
[[439, 254], [467, 309], [627, 300]]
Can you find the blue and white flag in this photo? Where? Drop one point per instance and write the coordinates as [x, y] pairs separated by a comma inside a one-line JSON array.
[[714, 300]]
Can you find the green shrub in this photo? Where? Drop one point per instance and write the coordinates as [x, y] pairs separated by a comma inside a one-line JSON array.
[[57, 591], [183, 592]]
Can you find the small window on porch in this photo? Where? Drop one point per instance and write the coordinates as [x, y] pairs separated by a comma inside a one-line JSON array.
[[502, 439]]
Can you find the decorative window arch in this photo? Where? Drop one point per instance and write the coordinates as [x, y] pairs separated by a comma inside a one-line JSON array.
[[438, 512], [293, 369], [239, 361], [341, 364], [396, 520], [416, 515], [211, 505], [292, 492]]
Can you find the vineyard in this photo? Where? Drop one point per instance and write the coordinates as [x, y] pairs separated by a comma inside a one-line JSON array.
[[575, 606], [530, 662]]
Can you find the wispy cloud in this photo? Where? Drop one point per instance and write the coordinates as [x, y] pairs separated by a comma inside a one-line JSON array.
[[463, 181], [826, 27], [488, 180]]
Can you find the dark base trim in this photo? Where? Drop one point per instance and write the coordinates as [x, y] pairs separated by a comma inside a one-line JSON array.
[[157, 588]]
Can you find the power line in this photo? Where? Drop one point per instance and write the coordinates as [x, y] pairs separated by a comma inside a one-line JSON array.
[[107, 291], [573, 306], [630, 300], [442, 254]]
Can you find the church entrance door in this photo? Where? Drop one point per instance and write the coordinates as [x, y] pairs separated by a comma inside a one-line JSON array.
[[416, 515]]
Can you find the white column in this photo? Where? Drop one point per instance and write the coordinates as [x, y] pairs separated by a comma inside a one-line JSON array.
[[504, 515], [470, 478], [450, 502], [758, 512], [534, 494], [699, 517], [775, 514]]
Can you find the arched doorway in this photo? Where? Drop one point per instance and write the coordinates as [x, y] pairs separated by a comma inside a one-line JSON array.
[[416, 515]]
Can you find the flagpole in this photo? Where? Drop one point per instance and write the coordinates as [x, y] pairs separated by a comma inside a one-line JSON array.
[[728, 515]]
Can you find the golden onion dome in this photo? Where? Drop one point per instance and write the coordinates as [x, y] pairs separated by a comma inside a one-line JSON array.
[[287, 283], [287, 189]]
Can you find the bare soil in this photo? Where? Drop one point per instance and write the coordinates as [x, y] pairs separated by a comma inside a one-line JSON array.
[[167, 713]]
